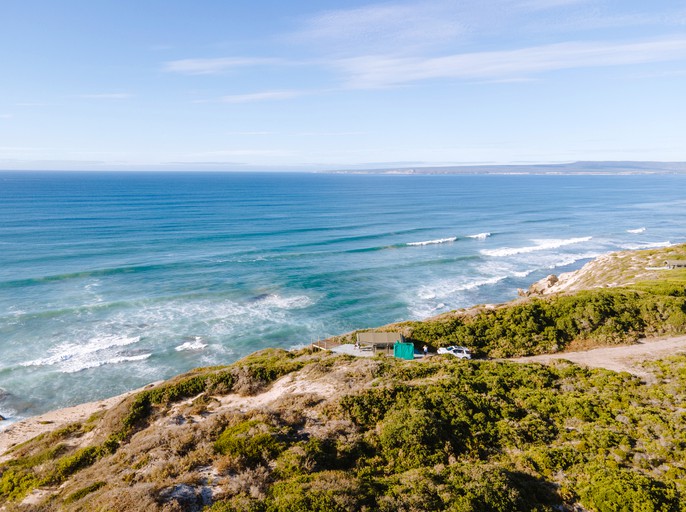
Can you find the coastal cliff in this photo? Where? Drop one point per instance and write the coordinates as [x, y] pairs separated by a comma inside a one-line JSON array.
[[312, 430]]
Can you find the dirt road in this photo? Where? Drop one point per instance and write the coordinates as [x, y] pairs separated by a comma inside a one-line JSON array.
[[624, 358]]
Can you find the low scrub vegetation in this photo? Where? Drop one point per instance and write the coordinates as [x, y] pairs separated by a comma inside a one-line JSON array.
[[441, 435], [479, 436]]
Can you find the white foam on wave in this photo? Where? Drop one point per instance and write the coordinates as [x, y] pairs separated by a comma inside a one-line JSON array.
[[479, 236], [194, 345], [573, 258], [77, 366], [296, 302], [648, 245], [434, 242], [444, 295], [427, 310], [541, 245], [448, 288], [636, 231], [522, 273], [130, 335], [98, 351]]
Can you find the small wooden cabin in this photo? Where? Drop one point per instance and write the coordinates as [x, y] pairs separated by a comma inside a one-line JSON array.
[[379, 342]]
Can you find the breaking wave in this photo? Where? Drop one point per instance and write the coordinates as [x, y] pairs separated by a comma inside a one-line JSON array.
[[448, 288], [73, 357], [96, 363], [194, 344], [648, 245], [541, 245], [433, 242], [636, 231], [479, 236]]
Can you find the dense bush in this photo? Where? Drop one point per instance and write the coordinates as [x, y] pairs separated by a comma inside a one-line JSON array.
[[623, 490], [250, 443], [493, 437], [537, 326]]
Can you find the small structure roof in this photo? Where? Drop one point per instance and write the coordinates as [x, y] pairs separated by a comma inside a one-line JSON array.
[[378, 338]]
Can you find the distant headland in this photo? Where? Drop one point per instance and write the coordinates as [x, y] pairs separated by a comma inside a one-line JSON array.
[[578, 168]]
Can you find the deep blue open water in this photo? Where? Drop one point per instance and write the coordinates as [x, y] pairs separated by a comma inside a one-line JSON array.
[[109, 281]]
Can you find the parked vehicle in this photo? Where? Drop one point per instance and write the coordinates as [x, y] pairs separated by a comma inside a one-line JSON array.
[[461, 352]]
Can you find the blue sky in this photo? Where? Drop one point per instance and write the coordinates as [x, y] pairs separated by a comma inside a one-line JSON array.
[[302, 85]]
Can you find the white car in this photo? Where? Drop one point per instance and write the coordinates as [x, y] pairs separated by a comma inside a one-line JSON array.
[[461, 352]]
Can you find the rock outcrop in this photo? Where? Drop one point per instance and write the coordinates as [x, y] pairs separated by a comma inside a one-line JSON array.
[[541, 287]]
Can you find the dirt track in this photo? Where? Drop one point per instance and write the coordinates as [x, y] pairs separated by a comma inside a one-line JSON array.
[[624, 358]]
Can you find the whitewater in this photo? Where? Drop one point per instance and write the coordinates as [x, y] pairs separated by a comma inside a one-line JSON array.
[[109, 281]]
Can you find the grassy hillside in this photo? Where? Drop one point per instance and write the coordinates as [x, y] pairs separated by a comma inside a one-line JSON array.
[[298, 431]]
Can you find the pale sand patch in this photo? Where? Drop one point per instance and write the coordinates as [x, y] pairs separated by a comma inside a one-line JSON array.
[[21, 431], [292, 384], [29, 428], [624, 358]]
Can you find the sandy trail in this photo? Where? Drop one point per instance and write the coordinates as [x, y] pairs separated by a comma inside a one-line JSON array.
[[623, 358]]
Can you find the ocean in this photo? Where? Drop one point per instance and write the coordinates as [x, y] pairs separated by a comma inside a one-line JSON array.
[[109, 281]]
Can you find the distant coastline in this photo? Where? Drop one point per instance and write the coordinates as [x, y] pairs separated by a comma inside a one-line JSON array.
[[572, 168]]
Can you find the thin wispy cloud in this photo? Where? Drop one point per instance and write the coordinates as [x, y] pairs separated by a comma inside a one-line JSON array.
[[381, 26], [413, 27], [6, 116], [213, 66], [261, 96], [386, 71]]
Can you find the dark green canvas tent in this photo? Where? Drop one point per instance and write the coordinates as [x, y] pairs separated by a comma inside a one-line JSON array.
[[403, 350]]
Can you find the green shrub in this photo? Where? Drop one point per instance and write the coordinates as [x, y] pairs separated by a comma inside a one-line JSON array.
[[412, 438], [622, 490], [81, 493], [250, 443], [326, 491], [15, 484]]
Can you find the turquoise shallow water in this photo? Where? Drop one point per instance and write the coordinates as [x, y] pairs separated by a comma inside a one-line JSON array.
[[109, 281]]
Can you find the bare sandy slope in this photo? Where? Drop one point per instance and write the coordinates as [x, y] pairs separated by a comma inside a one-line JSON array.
[[624, 358], [289, 385]]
